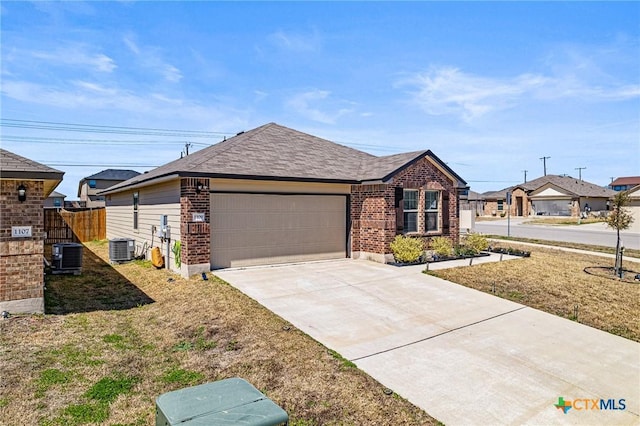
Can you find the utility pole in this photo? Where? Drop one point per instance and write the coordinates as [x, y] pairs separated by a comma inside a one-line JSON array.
[[580, 169], [544, 162], [525, 175]]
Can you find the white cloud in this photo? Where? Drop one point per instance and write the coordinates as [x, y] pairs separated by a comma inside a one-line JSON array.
[[447, 90], [296, 42], [450, 91], [85, 96], [131, 45], [76, 56], [305, 104], [151, 58]]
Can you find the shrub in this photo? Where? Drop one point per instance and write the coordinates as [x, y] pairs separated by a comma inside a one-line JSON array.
[[442, 246], [476, 242], [407, 249]]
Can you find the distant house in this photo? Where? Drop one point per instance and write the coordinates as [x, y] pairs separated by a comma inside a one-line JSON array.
[[634, 207], [24, 185], [625, 183], [474, 201], [276, 195], [550, 195], [89, 187], [54, 201]]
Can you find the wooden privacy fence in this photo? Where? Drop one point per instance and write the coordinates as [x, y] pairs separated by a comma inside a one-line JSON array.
[[75, 226]]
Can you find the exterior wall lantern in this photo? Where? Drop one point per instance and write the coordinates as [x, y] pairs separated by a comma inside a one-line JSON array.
[[199, 187], [22, 193]]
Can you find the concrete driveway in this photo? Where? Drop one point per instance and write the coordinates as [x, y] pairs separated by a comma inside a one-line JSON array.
[[464, 356]]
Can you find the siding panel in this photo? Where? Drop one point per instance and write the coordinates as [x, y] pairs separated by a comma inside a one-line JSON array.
[[154, 201]]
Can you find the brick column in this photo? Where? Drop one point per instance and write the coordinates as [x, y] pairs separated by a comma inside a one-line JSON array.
[[196, 236], [21, 259]]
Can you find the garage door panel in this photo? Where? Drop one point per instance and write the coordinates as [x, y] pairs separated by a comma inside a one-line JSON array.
[[255, 229]]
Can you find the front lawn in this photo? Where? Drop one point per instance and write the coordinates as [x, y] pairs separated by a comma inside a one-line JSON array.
[[554, 281], [117, 337]]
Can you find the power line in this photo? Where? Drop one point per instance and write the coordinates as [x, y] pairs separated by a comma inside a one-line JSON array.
[[64, 141], [55, 163], [96, 128]]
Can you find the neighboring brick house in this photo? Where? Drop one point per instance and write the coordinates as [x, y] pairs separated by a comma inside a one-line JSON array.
[[625, 183], [24, 186], [89, 187], [275, 195], [550, 195]]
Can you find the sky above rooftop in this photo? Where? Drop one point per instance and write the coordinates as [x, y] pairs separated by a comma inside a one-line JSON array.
[[489, 87]]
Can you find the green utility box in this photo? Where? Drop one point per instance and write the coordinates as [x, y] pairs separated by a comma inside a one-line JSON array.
[[226, 402]]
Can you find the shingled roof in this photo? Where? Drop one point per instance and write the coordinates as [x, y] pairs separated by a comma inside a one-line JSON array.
[[626, 180], [15, 166], [573, 186], [113, 174], [273, 151]]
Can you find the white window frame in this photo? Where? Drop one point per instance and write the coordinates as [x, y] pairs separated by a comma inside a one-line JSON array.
[[429, 209], [413, 211]]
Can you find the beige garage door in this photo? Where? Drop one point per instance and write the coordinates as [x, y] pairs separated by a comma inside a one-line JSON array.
[[262, 229]]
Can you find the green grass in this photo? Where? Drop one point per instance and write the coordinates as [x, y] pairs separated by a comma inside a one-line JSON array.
[[182, 377], [108, 388], [78, 414], [69, 355], [345, 362]]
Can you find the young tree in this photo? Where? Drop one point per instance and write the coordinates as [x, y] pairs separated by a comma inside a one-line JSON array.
[[619, 219]]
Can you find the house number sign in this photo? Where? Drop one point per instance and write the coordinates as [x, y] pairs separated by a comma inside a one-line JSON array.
[[21, 231], [198, 217]]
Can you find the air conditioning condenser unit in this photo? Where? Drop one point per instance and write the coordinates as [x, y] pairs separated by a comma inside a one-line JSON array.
[[122, 249], [66, 258]]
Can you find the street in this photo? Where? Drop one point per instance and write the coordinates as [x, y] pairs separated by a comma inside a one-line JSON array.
[[594, 234]]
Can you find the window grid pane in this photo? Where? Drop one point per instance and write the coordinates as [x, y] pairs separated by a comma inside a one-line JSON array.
[[410, 199], [411, 221]]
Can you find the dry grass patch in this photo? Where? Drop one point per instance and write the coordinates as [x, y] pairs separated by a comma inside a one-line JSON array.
[[554, 281], [123, 335], [588, 247], [561, 221]]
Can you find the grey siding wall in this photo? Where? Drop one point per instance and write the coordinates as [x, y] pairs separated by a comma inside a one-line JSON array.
[[153, 201]]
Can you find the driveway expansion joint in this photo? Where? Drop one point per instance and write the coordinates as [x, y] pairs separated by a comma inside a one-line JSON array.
[[439, 334]]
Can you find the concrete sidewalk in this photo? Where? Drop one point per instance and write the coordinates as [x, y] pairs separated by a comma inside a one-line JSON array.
[[464, 356]]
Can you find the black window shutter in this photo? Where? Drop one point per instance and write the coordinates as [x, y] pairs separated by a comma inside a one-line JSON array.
[[399, 196], [445, 212]]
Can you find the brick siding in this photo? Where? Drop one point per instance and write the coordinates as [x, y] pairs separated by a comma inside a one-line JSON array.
[[373, 212], [196, 236], [21, 259]]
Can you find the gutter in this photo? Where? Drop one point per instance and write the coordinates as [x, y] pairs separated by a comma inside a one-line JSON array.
[[140, 184]]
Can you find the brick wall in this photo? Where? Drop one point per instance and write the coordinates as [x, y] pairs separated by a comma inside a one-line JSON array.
[[196, 236], [373, 212], [21, 264]]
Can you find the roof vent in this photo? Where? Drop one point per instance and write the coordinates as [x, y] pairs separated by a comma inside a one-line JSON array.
[[239, 133]]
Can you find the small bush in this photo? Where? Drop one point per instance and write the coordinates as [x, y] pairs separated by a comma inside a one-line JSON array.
[[406, 249], [442, 246], [476, 242]]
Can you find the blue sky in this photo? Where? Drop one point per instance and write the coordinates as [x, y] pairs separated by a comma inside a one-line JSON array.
[[489, 87]]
